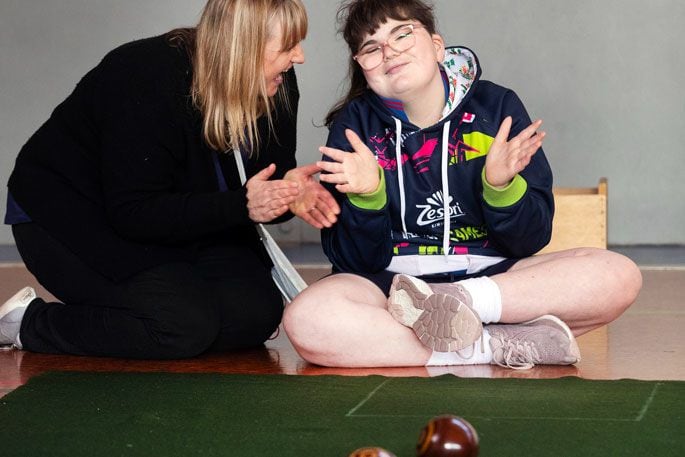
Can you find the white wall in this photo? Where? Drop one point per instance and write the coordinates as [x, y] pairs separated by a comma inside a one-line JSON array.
[[605, 76]]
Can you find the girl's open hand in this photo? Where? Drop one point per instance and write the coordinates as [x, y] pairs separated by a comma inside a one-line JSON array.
[[506, 159], [351, 172]]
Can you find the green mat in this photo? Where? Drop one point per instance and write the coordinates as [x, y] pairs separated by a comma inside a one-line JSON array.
[[160, 414]]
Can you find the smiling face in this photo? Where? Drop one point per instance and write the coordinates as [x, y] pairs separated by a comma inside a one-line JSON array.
[[406, 75], [277, 60]]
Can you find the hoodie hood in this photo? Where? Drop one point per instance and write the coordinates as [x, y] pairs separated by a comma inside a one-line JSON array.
[[460, 70]]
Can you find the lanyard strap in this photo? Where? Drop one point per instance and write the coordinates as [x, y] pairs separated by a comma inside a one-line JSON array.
[[241, 166]]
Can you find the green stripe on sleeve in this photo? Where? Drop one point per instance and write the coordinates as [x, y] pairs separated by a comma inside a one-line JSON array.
[[506, 196], [375, 200]]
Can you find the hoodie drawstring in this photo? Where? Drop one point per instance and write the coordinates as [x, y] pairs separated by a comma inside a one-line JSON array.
[[400, 174], [445, 189]]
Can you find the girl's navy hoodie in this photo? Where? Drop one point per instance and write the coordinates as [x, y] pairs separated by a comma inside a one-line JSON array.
[[433, 211]]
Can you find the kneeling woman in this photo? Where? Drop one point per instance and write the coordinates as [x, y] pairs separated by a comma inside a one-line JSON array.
[[127, 203]]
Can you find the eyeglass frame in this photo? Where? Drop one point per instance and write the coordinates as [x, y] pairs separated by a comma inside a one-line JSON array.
[[381, 46]]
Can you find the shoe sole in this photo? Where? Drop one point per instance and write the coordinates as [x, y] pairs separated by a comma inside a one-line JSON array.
[[573, 347], [405, 299], [447, 324], [407, 283], [441, 322]]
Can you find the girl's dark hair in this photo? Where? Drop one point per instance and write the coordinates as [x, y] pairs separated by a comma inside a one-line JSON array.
[[357, 18], [183, 38]]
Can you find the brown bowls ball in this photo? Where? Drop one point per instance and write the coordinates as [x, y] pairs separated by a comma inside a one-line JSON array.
[[448, 436]]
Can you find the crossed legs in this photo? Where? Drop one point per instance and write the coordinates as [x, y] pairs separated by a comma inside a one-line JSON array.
[[342, 321]]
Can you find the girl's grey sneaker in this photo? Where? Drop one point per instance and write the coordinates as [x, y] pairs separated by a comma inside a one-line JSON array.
[[546, 340], [11, 314], [444, 322]]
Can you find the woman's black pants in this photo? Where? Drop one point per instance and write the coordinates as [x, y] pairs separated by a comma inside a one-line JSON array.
[[223, 300]]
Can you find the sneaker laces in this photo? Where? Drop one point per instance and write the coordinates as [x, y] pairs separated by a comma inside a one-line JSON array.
[[473, 348], [516, 354]]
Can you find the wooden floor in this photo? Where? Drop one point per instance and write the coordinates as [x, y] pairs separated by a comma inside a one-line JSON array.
[[647, 342]]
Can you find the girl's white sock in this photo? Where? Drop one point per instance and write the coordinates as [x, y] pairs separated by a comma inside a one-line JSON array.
[[487, 298]]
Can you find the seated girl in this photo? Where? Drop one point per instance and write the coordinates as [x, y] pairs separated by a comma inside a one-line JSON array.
[[445, 196]]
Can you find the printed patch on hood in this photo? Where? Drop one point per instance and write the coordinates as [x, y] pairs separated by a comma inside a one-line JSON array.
[[461, 70]]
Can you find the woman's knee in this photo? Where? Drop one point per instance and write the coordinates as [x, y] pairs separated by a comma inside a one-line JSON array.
[[176, 307], [185, 332], [248, 318], [258, 325]]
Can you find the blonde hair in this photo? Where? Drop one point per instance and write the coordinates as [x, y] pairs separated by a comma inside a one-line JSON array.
[[228, 66]]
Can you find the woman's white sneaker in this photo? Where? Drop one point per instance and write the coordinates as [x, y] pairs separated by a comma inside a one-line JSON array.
[[11, 315]]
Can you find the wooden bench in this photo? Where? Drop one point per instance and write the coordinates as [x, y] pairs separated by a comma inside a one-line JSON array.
[[580, 218]]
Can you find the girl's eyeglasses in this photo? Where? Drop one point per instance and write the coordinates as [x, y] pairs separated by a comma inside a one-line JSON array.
[[371, 56]]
